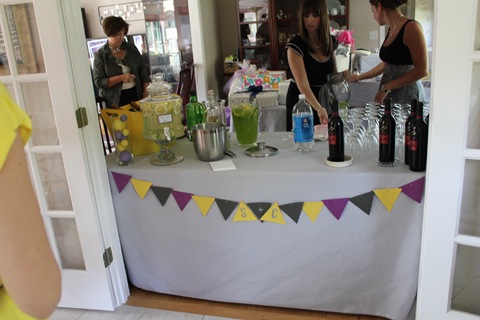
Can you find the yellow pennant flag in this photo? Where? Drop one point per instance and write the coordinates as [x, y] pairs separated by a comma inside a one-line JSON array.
[[274, 214], [243, 213], [203, 203], [312, 209], [388, 196], [141, 187]]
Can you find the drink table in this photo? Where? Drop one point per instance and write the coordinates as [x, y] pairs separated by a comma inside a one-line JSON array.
[[354, 263]]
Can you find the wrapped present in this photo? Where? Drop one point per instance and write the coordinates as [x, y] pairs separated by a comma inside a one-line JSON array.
[[269, 80], [264, 98]]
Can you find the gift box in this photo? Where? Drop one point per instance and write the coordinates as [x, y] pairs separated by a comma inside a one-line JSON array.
[[264, 99], [269, 80]]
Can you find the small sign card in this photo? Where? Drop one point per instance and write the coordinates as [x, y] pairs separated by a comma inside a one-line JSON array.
[[222, 165]]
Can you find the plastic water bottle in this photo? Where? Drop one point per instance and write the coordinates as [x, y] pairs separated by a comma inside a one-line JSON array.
[[302, 120]]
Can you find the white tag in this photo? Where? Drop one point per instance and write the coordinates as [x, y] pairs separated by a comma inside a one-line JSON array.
[[167, 118]]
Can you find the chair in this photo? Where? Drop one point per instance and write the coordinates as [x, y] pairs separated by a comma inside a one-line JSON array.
[[107, 141], [185, 83]]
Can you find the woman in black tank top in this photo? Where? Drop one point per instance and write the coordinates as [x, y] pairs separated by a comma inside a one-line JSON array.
[[403, 54]]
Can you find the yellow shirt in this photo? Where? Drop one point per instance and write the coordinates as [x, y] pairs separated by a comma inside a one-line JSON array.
[[12, 120]]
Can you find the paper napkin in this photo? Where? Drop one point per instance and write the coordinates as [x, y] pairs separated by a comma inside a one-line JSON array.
[[222, 165]]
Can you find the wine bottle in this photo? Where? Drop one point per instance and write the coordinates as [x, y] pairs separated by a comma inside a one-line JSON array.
[[336, 146], [387, 135], [408, 128], [418, 142]]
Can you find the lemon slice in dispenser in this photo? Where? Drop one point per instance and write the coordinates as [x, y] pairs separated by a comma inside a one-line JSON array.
[[160, 110]]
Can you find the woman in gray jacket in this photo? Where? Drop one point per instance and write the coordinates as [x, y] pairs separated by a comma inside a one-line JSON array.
[[119, 70]]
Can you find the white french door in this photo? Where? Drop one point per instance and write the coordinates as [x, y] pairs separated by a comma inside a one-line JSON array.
[[449, 282], [44, 64]]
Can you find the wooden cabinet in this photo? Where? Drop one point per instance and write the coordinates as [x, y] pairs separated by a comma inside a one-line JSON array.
[[266, 26]]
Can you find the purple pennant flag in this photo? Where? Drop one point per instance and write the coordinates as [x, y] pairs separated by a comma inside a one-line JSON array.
[[121, 180], [182, 198], [336, 206], [414, 189]]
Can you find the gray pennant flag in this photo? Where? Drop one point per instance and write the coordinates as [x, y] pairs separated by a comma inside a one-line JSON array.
[[161, 193], [364, 201], [226, 207], [293, 210]]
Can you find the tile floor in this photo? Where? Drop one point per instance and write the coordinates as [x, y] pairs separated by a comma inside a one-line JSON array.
[[128, 313]]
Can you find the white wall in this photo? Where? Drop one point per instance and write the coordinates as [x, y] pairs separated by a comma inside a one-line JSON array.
[[93, 21]]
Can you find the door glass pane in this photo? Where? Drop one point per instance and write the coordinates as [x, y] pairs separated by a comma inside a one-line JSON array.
[[4, 69], [470, 210], [466, 283], [473, 138], [38, 104], [68, 243], [22, 25], [54, 181]]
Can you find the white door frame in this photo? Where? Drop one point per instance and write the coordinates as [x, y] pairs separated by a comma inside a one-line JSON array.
[[453, 58]]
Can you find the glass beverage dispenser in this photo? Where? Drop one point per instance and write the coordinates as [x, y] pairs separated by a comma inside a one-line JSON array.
[[162, 119]]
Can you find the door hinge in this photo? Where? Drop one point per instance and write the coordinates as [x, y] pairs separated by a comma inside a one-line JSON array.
[[82, 119], [108, 257]]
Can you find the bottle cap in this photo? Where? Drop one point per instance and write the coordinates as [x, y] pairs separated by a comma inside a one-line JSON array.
[[301, 96]]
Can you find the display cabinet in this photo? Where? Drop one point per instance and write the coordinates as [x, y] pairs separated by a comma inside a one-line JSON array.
[[266, 26]]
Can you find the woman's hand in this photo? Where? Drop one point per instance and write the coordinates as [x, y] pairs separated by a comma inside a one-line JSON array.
[[380, 96], [351, 77], [128, 77], [323, 115]]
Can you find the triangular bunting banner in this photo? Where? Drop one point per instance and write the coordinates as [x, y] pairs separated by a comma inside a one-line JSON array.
[[388, 196], [203, 203], [293, 210], [161, 193], [364, 201], [415, 189], [259, 208], [121, 180], [243, 213], [274, 214], [182, 198], [312, 209], [336, 206], [226, 207], [141, 187]]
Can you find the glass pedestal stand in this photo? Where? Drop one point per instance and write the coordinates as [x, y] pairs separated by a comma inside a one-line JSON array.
[[165, 157]]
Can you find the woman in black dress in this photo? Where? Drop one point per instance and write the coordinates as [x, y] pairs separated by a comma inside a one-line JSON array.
[[403, 54], [311, 58]]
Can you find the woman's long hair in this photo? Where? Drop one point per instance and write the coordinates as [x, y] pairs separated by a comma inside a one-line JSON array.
[[319, 7], [390, 4]]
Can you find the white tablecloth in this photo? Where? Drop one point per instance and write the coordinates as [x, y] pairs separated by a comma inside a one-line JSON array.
[[362, 264]]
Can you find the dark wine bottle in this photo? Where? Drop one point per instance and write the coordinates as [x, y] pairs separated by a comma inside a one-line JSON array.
[[387, 135], [336, 147], [408, 128], [418, 142]]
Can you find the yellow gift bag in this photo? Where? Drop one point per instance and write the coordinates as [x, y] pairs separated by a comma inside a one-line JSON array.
[[139, 146]]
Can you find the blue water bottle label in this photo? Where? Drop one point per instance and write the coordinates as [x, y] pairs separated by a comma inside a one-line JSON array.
[[302, 128]]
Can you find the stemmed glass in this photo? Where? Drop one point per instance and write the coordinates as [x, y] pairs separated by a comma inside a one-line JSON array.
[[356, 131], [373, 113], [400, 112]]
